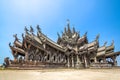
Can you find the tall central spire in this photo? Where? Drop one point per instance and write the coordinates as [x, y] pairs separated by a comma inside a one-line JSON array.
[[69, 33], [68, 21]]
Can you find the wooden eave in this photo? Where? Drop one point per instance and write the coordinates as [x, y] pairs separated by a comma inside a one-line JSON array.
[[34, 37], [19, 50], [56, 47], [52, 43], [110, 47], [102, 53], [103, 48], [18, 44], [83, 48], [91, 44], [112, 54], [41, 48], [82, 39]]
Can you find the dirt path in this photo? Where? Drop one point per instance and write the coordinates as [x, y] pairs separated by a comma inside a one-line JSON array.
[[60, 74]]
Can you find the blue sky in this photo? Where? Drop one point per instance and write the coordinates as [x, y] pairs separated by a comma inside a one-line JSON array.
[[95, 16]]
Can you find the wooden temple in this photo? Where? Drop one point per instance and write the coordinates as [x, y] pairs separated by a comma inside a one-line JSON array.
[[70, 51]]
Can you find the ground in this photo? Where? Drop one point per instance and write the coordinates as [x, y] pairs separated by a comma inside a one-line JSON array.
[[61, 74]]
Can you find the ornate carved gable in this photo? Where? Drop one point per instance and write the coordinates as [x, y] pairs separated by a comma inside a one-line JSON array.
[[69, 37]]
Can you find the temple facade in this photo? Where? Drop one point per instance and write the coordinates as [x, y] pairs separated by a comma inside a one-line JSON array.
[[70, 51]]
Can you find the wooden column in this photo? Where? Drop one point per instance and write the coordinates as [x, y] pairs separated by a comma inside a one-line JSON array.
[[64, 59], [104, 59], [43, 57], [15, 56], [114, 60], [60, 58], [72, 61], [78, 62], [95, 59], [86, 64], [26, 56], [68, 61], [51, 57]]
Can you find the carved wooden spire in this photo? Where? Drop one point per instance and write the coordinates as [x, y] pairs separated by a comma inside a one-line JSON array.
[[26, 30], [38, 28], [105, 43], [97, 37], [9, 44], [112, 42], [69, 30], [68, 22], [15, 36], [31, 29], [58, 35], [85, 34], [65, 30], [22, 35], [74, 30], [59, 38]]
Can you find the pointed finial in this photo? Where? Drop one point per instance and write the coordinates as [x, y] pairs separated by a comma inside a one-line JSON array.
[[68, 21], [105, 43], [68, 26], [15, 36], [78, 33], [26, 30], [58, 35], [22, 35], [31, 29], [74, 29], [9, 44], [97, 37], [112, 42], [85, 33], [65, 30], [38, 28]]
